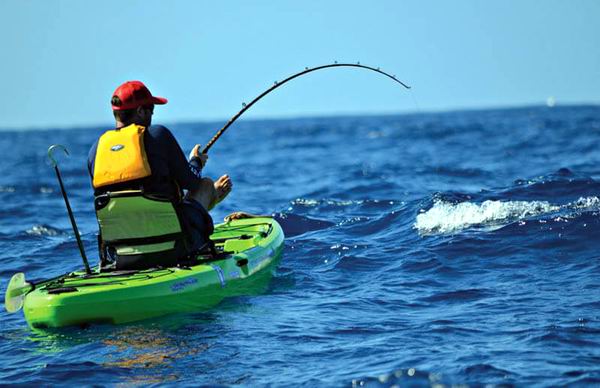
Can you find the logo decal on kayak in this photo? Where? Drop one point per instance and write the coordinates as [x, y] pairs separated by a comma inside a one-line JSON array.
[[117, 147], [219, 272], [183, 284]]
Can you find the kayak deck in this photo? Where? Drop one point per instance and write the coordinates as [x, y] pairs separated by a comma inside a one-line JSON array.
[[249, 249]]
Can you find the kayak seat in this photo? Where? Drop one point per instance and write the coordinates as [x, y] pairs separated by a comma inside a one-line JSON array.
[[139, 231]]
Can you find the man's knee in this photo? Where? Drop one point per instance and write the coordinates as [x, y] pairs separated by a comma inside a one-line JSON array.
[[205, 193], [207, 185]]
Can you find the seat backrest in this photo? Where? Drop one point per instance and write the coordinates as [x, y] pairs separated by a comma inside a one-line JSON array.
[[142, 231]]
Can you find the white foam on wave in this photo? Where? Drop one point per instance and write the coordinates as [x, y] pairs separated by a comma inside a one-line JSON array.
[[315, 202], [445, 217], [43, 230], [587, 204]]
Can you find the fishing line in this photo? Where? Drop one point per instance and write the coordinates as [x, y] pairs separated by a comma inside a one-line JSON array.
[[414, 98], [277, 84]]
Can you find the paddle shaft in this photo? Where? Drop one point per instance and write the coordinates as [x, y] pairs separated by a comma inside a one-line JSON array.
[[26, 288], [278, 84], [21, 290], [32, 285]]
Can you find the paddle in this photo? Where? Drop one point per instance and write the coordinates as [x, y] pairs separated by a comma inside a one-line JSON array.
[[306, 70], [18, 288], [16, 291]]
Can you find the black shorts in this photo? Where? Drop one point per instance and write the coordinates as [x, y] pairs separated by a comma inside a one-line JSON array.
[[199, 223]]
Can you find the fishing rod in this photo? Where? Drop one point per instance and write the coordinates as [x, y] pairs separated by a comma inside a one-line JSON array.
[[306, 70], [64, 194]]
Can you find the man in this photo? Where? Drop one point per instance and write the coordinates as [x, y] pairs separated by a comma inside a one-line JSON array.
[[168, 171]]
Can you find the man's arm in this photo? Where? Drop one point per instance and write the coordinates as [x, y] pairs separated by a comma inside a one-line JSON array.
[[91, 159], [186, 174]]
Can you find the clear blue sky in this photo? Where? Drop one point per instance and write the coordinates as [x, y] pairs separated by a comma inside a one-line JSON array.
[[61, 60]]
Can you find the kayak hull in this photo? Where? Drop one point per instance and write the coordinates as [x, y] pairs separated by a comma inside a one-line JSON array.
[[255, 247]]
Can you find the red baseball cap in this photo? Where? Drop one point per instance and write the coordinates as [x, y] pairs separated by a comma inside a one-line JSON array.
[[133, 94]]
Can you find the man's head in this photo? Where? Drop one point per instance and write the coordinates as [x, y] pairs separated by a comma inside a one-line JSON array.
[[132, 103]]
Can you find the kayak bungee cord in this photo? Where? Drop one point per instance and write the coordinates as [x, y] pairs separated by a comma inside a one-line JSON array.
[[306, 70], [64, 194]]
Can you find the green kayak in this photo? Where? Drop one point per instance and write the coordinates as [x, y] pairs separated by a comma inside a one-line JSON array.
[[250, 249]]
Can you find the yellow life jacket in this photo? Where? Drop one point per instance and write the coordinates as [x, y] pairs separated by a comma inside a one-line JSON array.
[[121, 156]]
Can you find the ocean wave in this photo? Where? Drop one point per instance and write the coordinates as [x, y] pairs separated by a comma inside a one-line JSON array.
[[411, 377], [307, 202], [294, 225], [44, 230], [446, 217]]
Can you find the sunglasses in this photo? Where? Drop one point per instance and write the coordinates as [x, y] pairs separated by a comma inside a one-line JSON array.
[[149, 108]]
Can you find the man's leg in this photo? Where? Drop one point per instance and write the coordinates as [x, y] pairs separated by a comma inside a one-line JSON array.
[[210, 193]]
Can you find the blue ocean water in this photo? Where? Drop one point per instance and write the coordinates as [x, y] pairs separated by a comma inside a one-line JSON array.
[[421, 250]]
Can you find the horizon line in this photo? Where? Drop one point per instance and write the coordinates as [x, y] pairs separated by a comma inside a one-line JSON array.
[[316, 116]]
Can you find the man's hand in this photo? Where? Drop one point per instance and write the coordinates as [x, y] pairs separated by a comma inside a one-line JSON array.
[[201, 158]]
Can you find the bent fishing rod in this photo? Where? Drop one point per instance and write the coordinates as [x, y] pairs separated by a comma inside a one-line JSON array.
[[306, 70]]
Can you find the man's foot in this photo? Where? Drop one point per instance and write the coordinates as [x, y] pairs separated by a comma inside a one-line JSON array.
[[240, 215], [223, 187]]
